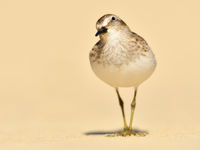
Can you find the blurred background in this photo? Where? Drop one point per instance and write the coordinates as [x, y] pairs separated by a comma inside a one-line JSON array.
[[47, 88]]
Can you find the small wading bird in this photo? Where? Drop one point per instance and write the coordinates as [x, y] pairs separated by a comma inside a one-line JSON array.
[[121, 58]]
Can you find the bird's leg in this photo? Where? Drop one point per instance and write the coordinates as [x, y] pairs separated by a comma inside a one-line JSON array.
[[121, 103], [127, 131], [133, 104]]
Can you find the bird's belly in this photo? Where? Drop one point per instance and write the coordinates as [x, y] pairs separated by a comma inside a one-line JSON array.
[[125, 75]]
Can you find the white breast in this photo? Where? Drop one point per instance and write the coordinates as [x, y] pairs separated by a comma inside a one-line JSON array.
[[126, 75]]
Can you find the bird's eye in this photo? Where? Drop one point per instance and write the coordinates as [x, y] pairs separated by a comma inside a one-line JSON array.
[[113, 18]]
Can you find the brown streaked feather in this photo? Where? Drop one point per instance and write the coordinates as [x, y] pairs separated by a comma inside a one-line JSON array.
[[131, 50]]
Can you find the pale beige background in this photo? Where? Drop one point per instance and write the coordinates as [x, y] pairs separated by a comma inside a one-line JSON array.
[[49, 97]]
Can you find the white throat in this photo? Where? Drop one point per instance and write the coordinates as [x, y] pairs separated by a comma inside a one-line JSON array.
[[114, 37]]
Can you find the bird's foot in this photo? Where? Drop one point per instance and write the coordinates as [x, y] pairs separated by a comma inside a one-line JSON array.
[[128, 132]]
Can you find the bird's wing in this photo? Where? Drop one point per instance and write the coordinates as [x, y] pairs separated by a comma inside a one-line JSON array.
[[139, 43], [96, 51]]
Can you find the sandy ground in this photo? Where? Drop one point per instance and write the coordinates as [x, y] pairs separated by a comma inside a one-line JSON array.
[[50, 98]]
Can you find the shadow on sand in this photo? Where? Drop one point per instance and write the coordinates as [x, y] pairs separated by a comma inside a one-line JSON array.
[[113, 132]]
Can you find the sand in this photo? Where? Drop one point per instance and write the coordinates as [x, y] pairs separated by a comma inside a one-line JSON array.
[[51, 99]]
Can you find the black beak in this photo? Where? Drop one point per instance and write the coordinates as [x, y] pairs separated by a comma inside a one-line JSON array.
[[100, 31]]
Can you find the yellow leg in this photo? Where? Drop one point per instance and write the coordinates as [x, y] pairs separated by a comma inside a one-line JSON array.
[[133, 104], [127, 131], [121, 103]]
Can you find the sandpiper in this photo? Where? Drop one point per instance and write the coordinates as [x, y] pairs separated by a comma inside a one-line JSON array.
[[121, 58]]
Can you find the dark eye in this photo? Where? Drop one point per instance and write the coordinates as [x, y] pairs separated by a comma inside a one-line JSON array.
[[113, 18]]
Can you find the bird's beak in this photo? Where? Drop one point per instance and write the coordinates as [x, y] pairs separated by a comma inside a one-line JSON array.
[[100, 31]]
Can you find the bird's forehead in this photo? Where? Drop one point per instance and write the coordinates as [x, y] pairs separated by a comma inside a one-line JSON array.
[[103, 21], [106, 21]]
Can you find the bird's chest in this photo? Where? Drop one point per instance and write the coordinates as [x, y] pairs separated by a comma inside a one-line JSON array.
[[114, 55]]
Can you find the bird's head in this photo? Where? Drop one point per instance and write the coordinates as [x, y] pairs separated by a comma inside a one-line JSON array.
[[110, 25]]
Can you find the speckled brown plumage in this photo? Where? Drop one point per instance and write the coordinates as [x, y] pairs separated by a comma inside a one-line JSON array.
[[128, 50]]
